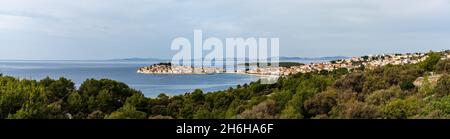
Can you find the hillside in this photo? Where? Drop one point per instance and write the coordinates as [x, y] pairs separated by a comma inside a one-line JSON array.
[[388, 92]]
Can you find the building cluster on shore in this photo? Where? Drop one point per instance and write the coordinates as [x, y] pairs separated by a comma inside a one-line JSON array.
[[371, 61], [167, 68]]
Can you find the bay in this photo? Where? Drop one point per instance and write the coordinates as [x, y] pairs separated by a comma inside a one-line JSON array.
[[150, 85]]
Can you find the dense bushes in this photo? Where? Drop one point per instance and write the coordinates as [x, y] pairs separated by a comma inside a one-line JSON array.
[[58, 99], [443, 66], [442, 87]]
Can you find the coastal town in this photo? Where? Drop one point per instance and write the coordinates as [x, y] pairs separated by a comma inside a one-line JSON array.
[[370, 61], [168, 68]]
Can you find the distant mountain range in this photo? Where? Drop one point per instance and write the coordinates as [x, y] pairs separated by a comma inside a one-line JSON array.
[[139, 59], [328, 58]]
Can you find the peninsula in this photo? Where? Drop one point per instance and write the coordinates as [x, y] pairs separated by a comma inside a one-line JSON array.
[[168, 68]]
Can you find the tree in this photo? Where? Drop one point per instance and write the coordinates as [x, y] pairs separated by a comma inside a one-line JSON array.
[[442, 87], [163, 99], [439, 108], [24, 113], [290, 112], [443, 66], [381, 97], [281, 98], [105, 101], [237, 106], [407, 85], [139, 101], [159, 110], [426, 88], [90, 87], [34, 107], [75, 102], [59, 89], [294, 108], [197, 96], [127, 112], [174, 107], [46, 81], [188, 109], [55, 110], [321, 103], [429, 64], [401, 108], [264, 110], [355, 110], [119, 91], [10, 102], [203, 113]]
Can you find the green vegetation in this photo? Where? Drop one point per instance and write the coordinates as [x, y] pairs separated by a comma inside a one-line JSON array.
[[388, 92]]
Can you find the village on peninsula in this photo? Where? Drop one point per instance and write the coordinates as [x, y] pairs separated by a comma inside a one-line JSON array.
[[370, 61]]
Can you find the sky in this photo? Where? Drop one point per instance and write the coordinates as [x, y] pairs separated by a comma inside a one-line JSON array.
[[111, 29]]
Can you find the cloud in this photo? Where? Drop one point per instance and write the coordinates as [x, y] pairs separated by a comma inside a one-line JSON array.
[[12, 22], [145, 28]]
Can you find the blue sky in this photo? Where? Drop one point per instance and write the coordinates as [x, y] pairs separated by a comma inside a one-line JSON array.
[[108, 29]]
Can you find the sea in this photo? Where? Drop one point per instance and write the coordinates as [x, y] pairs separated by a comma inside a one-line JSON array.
[[151, 85]]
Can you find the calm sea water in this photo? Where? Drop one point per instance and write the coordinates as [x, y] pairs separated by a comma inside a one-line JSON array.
[[150, 85]]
